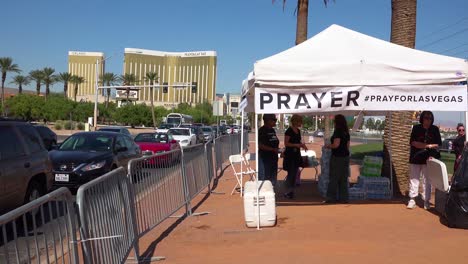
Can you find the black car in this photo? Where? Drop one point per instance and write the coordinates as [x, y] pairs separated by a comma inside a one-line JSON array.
[[87, 155], [48, 136]]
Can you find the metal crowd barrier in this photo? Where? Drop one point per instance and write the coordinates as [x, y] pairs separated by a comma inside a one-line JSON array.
[[226, 146], [195, 170], [115, 210], [159, 187], [42, 231], [108, 227]]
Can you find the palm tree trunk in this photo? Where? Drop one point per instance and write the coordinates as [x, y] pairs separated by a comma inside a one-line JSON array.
[[128, 93], [108, 96], [47, 91], [3, 94], [38, 88], [403, 32], [76, 91], [152, 106], [20, 89], [302, 18], [65, 90]]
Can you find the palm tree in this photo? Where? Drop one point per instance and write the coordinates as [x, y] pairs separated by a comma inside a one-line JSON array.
[[109, 79], [152, 77], [37, 76], [20, 80], [403, 32], [128, 79], [76, 80], [302, 10], [49, 78], [302, 18], [6, 65], [65, 78]]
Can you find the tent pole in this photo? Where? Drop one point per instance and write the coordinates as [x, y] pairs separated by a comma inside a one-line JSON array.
[[256, 169], [466, 116], [390, 156], [242, 151]]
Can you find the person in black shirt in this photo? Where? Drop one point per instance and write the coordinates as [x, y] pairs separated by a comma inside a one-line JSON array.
[[292, 154], [458, 145], [339, 162], [425, 140], [268, 150]]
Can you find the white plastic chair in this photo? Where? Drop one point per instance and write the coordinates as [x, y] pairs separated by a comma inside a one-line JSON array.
[[238, 160]]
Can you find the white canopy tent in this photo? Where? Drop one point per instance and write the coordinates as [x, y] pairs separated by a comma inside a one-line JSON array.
[[343, 71]]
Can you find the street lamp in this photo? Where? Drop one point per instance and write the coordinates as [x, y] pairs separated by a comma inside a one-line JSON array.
[[97, 90]]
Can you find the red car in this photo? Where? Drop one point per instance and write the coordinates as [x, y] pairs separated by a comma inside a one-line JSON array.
[[154, 143]]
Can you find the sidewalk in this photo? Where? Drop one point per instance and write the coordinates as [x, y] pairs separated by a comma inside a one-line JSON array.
[[307, 231]]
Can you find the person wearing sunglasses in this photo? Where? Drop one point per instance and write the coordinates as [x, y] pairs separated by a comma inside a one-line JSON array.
[[458, 145], [424, 141], [268, 145]]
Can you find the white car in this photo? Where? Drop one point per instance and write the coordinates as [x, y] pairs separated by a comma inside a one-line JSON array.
[[184, 135]]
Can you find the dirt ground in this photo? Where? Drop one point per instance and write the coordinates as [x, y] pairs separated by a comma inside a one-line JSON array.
[[307, 231]]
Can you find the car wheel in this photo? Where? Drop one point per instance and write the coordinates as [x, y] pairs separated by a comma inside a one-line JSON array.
[[34, 191]]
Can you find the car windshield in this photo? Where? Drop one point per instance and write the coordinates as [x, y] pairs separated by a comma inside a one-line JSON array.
[[152, 137], [207, 129], [87, 142], [179, 132]]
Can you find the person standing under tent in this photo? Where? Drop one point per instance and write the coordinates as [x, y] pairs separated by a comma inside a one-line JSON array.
[[292, 154], [268, 144], [425, 140], [458, 145], [339, 162]]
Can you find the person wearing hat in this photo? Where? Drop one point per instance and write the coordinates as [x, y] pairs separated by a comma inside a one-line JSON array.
[[268, 144]]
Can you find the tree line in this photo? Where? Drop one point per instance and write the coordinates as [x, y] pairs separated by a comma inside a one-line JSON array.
[[57, 106]]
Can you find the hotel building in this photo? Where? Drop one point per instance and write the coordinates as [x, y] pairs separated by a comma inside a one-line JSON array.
[[84, 64], [174, 68]]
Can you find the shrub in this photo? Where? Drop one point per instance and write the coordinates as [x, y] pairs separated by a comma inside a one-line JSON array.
[[80, 126], [69, 125], [58, 126]]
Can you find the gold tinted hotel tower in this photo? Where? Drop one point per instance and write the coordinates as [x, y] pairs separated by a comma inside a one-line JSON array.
[[174, 68], [83, 64]]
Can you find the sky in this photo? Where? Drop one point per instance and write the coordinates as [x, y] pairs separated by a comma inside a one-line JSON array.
[[38, 34]]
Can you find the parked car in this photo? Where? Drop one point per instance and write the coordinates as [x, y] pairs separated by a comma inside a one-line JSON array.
[[236, 129], [318, 133], [85, 156], [48, 136], [197, 131], [151, 143], [164, 127], [183, 135], [447, 145], [117, 129], [208, 133], [154, 143], [25, 167]]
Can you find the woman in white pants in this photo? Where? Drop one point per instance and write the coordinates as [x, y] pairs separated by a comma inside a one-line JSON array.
[[425, 140]]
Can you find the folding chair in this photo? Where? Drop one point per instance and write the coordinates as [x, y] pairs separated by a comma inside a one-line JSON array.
[[238, 160]]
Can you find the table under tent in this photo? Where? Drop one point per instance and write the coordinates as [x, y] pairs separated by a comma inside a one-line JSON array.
[[341, 71]]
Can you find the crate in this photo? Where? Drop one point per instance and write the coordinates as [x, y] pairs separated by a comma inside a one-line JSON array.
[[266, 202], [357, 194]]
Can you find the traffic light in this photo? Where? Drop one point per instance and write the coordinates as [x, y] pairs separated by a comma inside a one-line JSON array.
[[165, 85], [194, 87]]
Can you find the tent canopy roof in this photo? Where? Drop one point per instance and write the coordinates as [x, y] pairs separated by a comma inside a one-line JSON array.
[[339, 56]]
